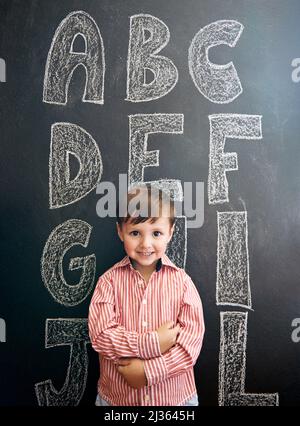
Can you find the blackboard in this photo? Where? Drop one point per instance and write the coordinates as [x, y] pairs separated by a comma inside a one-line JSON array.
[[225, 112]]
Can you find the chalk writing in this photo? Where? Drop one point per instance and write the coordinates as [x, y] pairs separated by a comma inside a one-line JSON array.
[[2, 331], [72, 332], [62, 60], [232, 364], [140, 126], [233, 286], [142, 57], [218, 83], [69, 139], [177, 247], [2, 71], [222, 126], [62, 238]]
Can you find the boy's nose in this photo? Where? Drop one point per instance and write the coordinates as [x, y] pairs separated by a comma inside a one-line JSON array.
[[145, 243]]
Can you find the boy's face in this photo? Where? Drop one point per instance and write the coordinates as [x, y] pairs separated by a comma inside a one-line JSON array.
[[146, 242]]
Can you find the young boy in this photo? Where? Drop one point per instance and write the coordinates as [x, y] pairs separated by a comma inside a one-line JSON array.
[[145, 317]]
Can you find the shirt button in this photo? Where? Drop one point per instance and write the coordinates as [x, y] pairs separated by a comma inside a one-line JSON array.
[[144, 301], [147, 397], [144, 324]]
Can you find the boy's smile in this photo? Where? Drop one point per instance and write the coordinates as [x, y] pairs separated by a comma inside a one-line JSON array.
[[146, 242]]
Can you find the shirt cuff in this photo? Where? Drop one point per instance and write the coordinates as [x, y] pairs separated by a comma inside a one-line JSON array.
[[155, 370], [148, 345]]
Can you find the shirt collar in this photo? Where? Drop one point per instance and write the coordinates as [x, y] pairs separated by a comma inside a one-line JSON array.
[[164, 260]]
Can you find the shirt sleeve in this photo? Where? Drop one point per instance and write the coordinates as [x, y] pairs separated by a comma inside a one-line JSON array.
[[184, 354], [111, 339]]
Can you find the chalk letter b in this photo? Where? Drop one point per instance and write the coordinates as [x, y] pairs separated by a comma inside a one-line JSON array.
[[142, 57]]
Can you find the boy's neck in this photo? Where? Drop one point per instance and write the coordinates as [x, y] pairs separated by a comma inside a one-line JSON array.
[[145, 271]]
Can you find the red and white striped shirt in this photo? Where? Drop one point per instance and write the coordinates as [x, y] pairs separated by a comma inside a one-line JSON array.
[[124, 313]]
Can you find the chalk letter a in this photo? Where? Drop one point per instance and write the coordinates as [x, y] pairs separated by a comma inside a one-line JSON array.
[[62, 60]]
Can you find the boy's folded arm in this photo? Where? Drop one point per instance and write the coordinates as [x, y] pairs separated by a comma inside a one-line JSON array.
[[116, 342], [111, 339], [184, 354]]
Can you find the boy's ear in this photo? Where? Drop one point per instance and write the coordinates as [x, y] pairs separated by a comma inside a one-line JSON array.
[[119, 231], [171, 232]]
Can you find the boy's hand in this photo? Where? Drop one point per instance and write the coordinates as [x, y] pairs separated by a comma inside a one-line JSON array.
[[167, 335], [132, 369]]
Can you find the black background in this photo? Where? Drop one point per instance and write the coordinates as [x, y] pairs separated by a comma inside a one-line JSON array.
[[267, 183]]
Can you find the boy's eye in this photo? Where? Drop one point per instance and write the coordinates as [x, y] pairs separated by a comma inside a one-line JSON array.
[[134, 233], [156, 233]]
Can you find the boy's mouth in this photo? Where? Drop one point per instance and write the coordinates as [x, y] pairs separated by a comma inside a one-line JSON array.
[[145, 253]]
